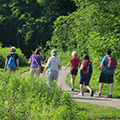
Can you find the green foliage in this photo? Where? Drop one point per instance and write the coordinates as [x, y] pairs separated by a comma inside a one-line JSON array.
[[29, 97], [4, 51], [91, 29], [28, 23]]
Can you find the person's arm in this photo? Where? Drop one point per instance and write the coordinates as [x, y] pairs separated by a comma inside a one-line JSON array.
[[101, 66], [46, 67], [82, 67], [116, 66], [42, 62], [67, 65], [17, 64], [30, 60], [5, 68]]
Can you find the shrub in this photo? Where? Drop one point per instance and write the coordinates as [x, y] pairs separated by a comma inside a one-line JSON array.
[[4, 51]]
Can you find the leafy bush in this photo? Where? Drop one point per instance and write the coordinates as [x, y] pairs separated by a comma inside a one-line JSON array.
[[4, 51], [29, 97]]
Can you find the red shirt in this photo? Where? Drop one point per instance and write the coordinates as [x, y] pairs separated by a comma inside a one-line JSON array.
[[86, 63], [74, 62]]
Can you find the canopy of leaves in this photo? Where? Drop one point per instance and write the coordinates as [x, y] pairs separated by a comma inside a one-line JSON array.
[[92, 28], [28, 23]]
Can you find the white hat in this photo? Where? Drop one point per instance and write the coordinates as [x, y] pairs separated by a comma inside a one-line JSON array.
[[13, 48]]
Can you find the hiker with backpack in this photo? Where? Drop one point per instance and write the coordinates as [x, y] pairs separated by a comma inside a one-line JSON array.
[[85, 75], [12, 60], [35, 61], [74, 61], [108, 66]]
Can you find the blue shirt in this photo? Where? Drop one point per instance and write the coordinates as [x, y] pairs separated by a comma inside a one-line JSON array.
[[105, 69]]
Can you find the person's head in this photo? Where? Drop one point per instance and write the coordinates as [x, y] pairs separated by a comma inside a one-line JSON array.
[[86, 57], [53, 52], [37, 51], [13, 49], [108, 51], [74, 54]]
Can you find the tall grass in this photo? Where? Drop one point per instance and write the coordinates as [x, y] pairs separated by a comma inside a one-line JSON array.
[[29, 97]]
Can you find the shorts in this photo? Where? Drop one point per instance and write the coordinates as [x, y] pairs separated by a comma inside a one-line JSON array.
[[85, 78], [106, 78], [34, 71], [13, 69], [52, 75], [73, 71]]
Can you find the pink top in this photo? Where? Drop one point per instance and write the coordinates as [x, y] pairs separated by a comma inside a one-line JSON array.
[[74, 62], [86, 63]]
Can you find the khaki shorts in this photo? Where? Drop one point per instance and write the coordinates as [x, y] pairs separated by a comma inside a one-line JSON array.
[[34, 71]]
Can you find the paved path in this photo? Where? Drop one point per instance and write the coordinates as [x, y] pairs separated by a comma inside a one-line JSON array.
[[101, 101]]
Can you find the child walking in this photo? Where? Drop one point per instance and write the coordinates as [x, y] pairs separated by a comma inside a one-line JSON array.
[[74, 61]]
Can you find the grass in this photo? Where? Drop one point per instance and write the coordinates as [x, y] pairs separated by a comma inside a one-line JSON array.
[[95, 112], [21, 69], [92, 111]]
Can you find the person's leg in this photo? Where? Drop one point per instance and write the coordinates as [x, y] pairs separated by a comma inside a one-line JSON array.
[[111, 86], [87, 80], [81, 81], [81, 88], [101, 86], [89, 88], [110, 81], [73, 79], [32, 71]]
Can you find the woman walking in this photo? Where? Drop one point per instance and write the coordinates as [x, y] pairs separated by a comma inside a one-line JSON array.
[[35, 60]]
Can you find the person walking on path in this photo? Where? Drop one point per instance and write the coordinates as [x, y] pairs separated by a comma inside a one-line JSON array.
[[108, 66], [12, 60], [53, 66], [85, 75], [35, 60], [74, 68]]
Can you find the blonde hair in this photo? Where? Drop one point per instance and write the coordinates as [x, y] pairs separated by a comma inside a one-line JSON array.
[[74, 54]]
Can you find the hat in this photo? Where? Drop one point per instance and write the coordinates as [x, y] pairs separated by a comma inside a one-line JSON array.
[[108, 51], [54, 51], [13, 48]]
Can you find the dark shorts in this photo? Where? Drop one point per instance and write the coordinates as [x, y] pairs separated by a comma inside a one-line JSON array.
[[106, 78], [73, 71], [85, 78]]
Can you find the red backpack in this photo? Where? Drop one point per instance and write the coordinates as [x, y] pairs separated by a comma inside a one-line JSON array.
[[111, 63]]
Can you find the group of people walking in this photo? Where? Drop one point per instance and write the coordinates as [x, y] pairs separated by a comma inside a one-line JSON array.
[[108, 66]]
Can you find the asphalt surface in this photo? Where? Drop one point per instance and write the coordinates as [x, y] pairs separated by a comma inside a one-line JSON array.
[[101, 101]]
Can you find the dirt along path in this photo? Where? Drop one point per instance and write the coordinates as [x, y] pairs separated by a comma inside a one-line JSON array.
[[101, 101]]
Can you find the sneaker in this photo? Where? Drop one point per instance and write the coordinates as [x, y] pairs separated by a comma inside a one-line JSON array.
[[109, 96], [99, 94], [72, 88], [91, 93], [81, 94]]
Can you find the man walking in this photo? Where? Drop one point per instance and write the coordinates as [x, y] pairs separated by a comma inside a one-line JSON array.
[[108, 66]]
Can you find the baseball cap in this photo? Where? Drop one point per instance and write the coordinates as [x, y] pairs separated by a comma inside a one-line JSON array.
[[53, 51]]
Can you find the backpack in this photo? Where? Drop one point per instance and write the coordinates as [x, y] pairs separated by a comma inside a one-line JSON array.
[[111, 63], [11, 61], [89, 68]]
